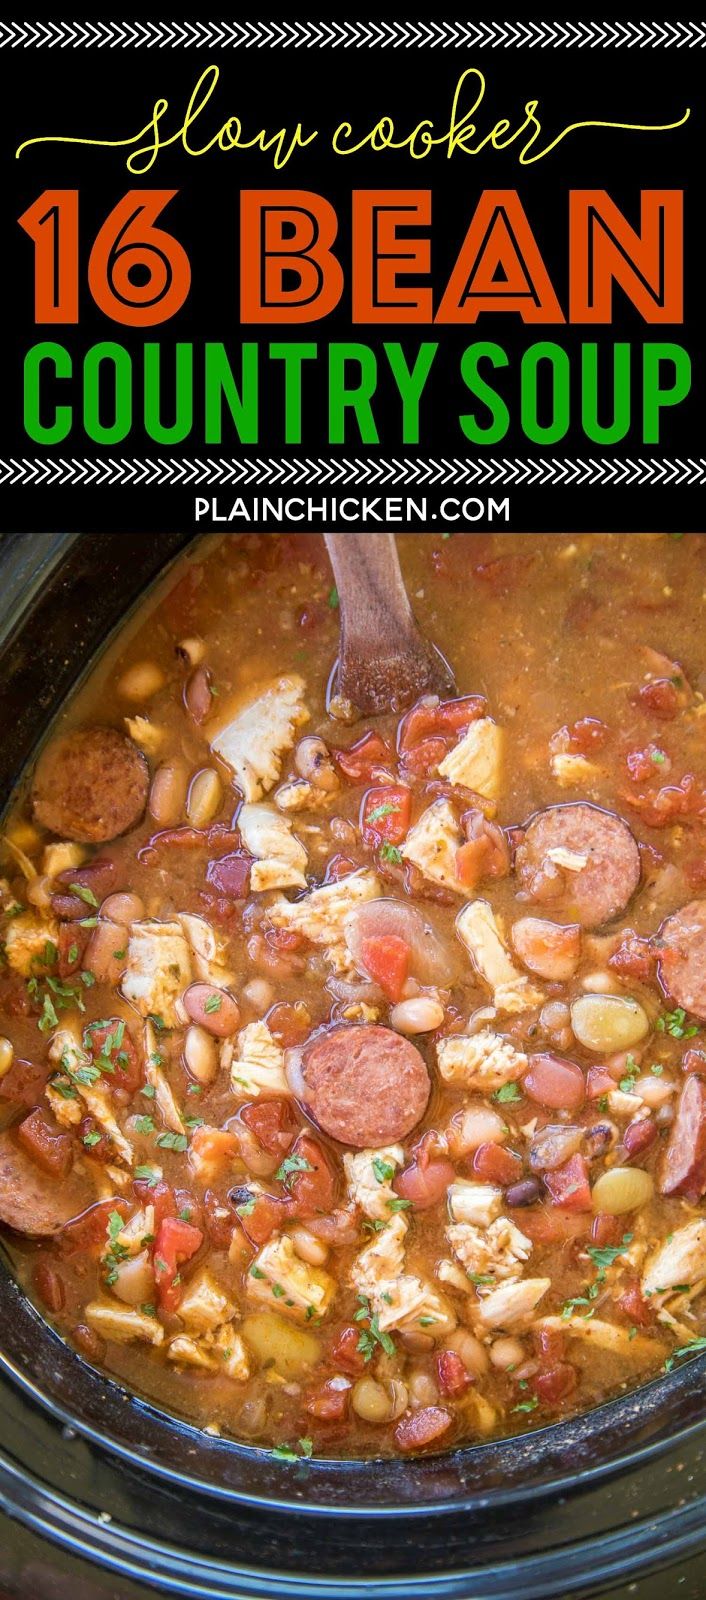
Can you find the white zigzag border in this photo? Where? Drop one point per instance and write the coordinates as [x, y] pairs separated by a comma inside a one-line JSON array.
[[353, 35], [367, 472]]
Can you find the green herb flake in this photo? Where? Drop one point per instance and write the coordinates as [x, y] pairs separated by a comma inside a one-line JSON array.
[[144, 1125], [290, 1166], [172, 1141], [378, 812], [390, 852], [527, 1405], [383, 1170], [148, 1175], [214, 1003], [90, 1139], [333, 598], [84, 894], [507, 1094]]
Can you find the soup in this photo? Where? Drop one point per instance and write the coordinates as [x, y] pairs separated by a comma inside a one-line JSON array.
[[353, 1077]]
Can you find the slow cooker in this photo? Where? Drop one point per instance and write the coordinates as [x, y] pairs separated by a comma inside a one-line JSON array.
[[103, 1495]]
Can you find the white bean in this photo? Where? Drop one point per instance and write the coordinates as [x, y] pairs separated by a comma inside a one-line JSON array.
[[423, 1391], [168, 793], [141, 681], [259, 994], [655, 1091], [505, 1353], [473, 1354], [205, 798], [600, 983], [308, 1246], [371, 1401], [420, 1015], [200, 1054], [608, 1022], [7, 1056]]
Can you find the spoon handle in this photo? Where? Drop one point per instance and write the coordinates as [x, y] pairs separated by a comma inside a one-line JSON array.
[[385, 661]]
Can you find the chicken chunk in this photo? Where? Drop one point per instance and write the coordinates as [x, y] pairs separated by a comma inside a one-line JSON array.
[[320, 916], [255, 740], [681, 1259], [369, 1175], [222, 1352], [158, 970], [280, 859], [475, 762], [497, 1251], [605, 1336], [255, 1063], [477, 1203], [482, 1061], [26, 939], [123, 1323], [478, 928], [164, 1098], [77, 1071], [61, 856], [432, 843], [382, 1259], [209, 950], [204, 1304], [300, 795], [511, 1304], [279, 1279], [410, 1304], [572, 771], [150, 736]]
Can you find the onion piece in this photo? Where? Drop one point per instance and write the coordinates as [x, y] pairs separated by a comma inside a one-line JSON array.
[[432, 961], [293, 1072]]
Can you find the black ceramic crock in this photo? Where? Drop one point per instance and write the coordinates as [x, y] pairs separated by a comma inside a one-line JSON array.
[[102, 1495]]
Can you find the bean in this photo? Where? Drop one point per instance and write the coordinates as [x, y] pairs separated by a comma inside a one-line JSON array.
[[141, 681], [205, 798], [371, 1401], [106, 951], [473, 1354], [123, 908], [89, 1343], [419, 1343], [308, 1246], [212, 1008], [259, 994], [606, 1022], [49, 1286], [197, 694], [524, 1193], [600, 983], [654, 1091], [7, 1055], [168, 793], [598, 1139], [312, 759], [399, 1397], [639, 1136], [622, 1189], [475, 1126], [200, 1054], [192, 651], [423, 1391], [420, 1015], [506, 1353]]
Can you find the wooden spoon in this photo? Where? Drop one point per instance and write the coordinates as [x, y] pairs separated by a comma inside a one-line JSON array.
[[385, 662]]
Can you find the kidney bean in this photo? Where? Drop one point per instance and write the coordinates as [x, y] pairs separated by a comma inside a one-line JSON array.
[[97, 877], [454, 1377], [212, 1008], [424, 1183], [49, 1286], [555, 1083], [524, 1193], [197, 694], [569, 1186], [638, 1137], [598, 1139], [89, 1343], [606, 1229], [694, 1061], [329, 1403], [230, 875], [345, 1352], [422, 1428]]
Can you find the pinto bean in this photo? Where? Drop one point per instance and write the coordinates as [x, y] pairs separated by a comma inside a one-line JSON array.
[[106, 951], [212, 1008], [123, 908], [197, 694], [167, 799]]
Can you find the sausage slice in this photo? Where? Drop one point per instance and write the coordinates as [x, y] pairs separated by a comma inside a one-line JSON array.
[[90, 785], [683, 1164], [30, 1201], [681, 965], [365, 1085], [548, 862]]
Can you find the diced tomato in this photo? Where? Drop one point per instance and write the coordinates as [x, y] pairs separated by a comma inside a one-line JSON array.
[[556, 1383], [88, 1231], [588, 734], [50, 1150], [385, 814], [425, 756], [659, 697], [111, 1042], [424, 1183], [485, 854], [606, 1229], [312, 1186], [345, 1353], [265, 1217], [273, 1123], [634, 1306], [551, 1345], [546, 1226], [360, 760], [329, 1403], [569, 1186], [71, 944], [210, 1149], [634, 957], [494, 1164], [288, 1024], [339, 867], [659, 809], [422, 1427], [438, 718], [176, 1242], [160, 1195], [219, 1220], [599, 1082], [25, 1083], [454, 1377], [386, 959], [230, 875]]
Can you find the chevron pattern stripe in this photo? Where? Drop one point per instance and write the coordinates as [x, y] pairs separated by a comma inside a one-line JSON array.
[[281, 472], [259, 35]]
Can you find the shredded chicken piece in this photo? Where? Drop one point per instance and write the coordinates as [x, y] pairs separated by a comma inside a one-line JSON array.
[[68, 1054], [280, 858], [482, 1061], [512, 1303], [255, 740], [297, 794], [279, 1279], [477, 1203], [148, 735], [123, 1323], [432, 843], [369, 1175], [480, 931], [204, 1304], [475, 762], [320, 916], [605, 1336], [497, 1251], [61, 856], [26, 940], [163, 1094], [680, 1259], [209, 950], [255, 1064], [158, 969]]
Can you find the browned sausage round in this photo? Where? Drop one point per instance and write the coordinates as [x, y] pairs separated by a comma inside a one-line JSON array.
[[365, 1086], [683, 1165], [90, 785], [30, 1201], [595, 892], [681, 964]]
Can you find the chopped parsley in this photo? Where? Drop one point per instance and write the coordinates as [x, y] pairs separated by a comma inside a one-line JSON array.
[[658, 757], [289, 1166], [48, 1018], [84, 894], [507, 1094], [390, 852], [116, 1252], [148, 1175], [397, 1204], [481, 1277], [148, 1090], [172, 1141], [673, 1023], [383, 1170], [333, 598], [693, 1348], [372, 1335], [627, 1084], [91, 1138], [527, 1405], [214, 1003], [387, 810], [144, 1125], [72, 955]]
